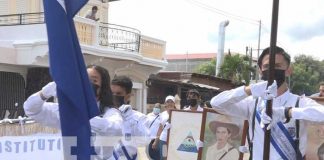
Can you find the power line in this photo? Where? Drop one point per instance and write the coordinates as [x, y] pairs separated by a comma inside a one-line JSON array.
[[224, 13], [231, 15], [265, 28]]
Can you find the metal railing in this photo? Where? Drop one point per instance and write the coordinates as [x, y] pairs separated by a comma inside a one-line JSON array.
[[109, 35], [22, 19], [119, 37]]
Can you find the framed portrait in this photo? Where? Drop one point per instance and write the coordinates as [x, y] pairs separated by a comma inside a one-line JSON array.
[[315, 141], [222, 136], [315, 137], [185, 130]]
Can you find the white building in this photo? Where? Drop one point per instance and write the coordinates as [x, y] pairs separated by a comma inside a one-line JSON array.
[[24, 50]]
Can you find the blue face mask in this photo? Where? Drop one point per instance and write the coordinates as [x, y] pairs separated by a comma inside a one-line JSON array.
[[156, 110]]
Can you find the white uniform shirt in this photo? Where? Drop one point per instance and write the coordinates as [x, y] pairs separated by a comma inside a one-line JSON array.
[[153, 120], [200, 109], [164, 121], [47, 113], [236, 103], [135, 132]]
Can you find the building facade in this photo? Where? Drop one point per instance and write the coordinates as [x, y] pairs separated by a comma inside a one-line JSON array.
[[187, 62]]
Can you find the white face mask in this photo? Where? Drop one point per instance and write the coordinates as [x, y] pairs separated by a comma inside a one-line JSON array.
[[156, 110]]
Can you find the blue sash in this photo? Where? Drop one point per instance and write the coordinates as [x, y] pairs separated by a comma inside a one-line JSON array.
[[124, 152], [281, 140]]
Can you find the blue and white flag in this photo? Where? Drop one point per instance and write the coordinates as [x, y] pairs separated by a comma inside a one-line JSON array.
[[77, 102]]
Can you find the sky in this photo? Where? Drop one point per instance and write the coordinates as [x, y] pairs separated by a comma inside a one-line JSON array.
[[192, 25]]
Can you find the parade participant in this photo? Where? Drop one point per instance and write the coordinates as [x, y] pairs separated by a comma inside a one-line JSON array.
[[223, 149], [162, 134], [153, 122], [92, 14], [193, 98], [109, 123], [100, 76], [321, 91], [135, 132], [248, 102]]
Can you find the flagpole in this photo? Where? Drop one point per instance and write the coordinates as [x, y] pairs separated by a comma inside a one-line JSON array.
[[273, 41]]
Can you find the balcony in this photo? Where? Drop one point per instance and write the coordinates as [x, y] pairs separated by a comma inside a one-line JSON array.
[[92, 33]]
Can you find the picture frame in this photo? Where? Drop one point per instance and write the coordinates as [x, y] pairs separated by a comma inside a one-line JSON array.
[[185, 130], [213, 123], [315, 141], [315, 137]]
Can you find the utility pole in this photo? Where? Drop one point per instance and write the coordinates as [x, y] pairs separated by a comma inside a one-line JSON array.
[[187, 61], [257, 68], [250, 62]]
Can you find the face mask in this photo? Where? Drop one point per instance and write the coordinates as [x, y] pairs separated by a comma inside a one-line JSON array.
[[192, 102], [118, 100], [279, 76], [156, 110]]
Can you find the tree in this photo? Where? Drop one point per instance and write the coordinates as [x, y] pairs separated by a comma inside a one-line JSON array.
[[308, 72], [235, 68], [207, 68]]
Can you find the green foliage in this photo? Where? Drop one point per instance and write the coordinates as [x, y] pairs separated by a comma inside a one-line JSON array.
[[307, 74], [207, 68], [235, 68]]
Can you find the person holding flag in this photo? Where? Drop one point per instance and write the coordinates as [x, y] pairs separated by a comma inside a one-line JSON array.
[[290, 112], [68, 70]]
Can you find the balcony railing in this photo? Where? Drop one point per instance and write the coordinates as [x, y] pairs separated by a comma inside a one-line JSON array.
[[119, 37], [99, 34], [21, 19]]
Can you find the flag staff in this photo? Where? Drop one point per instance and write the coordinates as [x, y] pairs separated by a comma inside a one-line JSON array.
[[273, 41]]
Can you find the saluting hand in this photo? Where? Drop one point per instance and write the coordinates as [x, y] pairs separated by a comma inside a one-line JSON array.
[[48, 91]]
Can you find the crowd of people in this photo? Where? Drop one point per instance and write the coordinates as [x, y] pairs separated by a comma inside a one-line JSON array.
[[118, 118]]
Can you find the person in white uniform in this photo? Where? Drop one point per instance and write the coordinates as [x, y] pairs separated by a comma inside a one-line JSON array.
[[290, 112], [153, 123], [135, 131], [193, 99], [109, 123], [162, 134]]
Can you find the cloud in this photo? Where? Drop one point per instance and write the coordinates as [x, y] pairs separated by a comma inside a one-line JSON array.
[[300, 32]]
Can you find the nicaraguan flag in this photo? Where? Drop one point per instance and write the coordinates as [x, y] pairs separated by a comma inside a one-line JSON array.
[[76, 98]]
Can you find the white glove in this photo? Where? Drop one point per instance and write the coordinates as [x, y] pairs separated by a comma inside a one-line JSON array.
[[244, 149], [167, 125], [49, 90], [278, 115], [260, 90], [126, 110], [98, 124]]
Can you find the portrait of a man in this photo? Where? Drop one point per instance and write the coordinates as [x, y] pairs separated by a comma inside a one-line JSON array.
[[223, 149]]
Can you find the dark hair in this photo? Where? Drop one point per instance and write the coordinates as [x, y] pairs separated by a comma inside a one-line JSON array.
[[105, 94], [94, 8], [321, 83], [278, 50], [123, 81], [320, 151], [193, 91]]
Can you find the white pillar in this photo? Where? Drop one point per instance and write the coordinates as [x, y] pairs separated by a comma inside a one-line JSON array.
[[220, 52]]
